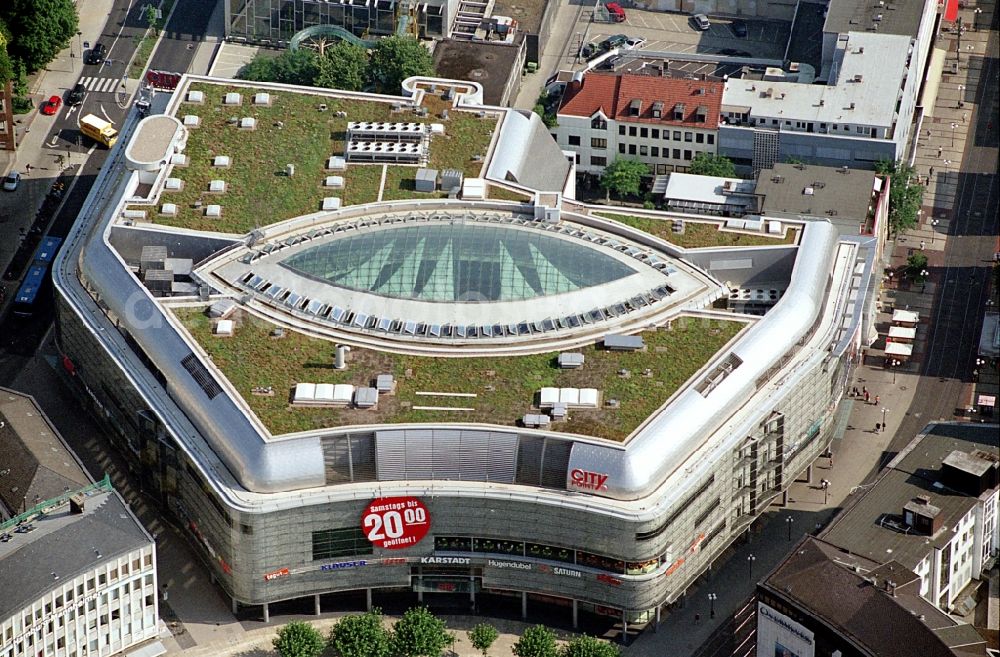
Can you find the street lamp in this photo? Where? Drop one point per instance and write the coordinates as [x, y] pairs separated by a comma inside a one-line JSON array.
[[893, 364], [788, 521], [711, 604], [934, 223], [975, 18], [953, 126], [884, 411], [825, 485], [923, 282], [750, 560]]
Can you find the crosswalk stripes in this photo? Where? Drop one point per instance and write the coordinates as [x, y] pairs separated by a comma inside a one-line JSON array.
[[100, 85]]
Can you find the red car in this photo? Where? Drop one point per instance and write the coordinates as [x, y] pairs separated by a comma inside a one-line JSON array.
[[51, 106]]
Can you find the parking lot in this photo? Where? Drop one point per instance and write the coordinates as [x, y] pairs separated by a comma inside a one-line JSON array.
[[673, 32]]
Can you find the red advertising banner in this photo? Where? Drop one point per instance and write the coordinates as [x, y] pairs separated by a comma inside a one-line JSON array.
[[951, 10], [395, 522]]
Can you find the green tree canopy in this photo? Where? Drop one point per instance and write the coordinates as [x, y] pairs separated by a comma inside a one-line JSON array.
[[482, 637], [707, 164], [623, 177], [298, 67], [343, 66], [361, 635], [40, 29], [905, 194], [536, 641], [916, 265], [298, 639], [419, 633], [396, 58], [588, 646], [6, 66]]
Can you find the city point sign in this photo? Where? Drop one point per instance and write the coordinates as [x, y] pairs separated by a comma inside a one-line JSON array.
[[588, 480]]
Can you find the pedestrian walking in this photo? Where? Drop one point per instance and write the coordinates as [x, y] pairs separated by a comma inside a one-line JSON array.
[[930, 173], [876, 400], [864, 389], [922, 245], [866, 396], [878, 427], [697, 618], [964, 117]]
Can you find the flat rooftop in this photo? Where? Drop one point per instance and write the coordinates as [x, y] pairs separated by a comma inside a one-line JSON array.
[[497, 390], [817, 191], [870, 526], [527, 13], [65, 544], [489, 64], [892, 17], [303, 129], [871, 69]]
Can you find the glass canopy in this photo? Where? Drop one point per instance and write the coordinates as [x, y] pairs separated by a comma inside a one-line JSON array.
[[458, 262]]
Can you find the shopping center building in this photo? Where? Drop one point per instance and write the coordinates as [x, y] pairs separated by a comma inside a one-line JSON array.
[[369, 343]]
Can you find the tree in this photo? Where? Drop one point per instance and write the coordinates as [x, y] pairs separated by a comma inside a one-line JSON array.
[[152, 16], [298, 639], [361, 635], [344, 66], [623, 177], [588, 646], [537, 641], [396, 58], [905, 194], [419, 633], [916, 265], [482, 637], [290, 67], [41, 28], [706, 164]]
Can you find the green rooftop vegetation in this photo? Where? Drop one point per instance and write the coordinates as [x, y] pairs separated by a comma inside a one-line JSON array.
[[505, 388], [700, 234], [293, 130]]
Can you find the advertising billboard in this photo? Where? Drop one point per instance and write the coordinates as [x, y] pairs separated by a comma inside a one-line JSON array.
[[780, 636], [395, 522]]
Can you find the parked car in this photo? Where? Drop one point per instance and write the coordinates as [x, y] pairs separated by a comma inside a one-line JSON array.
[[52, 105], [700, 21], [616, 41], [11, 182], [615, 12], [635, 42], [77, 94], [739, 29], [97, 54]]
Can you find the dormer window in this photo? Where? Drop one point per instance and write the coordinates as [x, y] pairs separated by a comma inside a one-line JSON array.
[[701, 114], [657, 110], [598, 122], [635, 107], [679, 112]]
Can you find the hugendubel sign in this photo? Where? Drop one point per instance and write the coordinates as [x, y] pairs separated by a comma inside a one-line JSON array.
[[395, 522]]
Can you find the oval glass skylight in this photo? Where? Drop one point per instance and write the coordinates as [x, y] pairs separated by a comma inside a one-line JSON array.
[[458, 262]]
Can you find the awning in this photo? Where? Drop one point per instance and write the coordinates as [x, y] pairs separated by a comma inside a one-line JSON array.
[[986, 400], [902, 333], [899, 349], [872, 335], [905, 317], [932, 81], [951, 10]]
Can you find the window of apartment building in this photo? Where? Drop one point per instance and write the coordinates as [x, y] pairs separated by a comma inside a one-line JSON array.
[[677, 153], [654, 151], [632, 132], [859, 129], [774, 121], [688, 136], [576, 159], [631, 149], [114, 573], [102, 579], [48, 608], [574, 140], [677, 135], [136, 564], [643, 150], [598, 123], [644, 133], [711, 139], [621, 130], [621, 148], [655, 133], [687, 155], [598, 161], [598, 142], [699, 138]]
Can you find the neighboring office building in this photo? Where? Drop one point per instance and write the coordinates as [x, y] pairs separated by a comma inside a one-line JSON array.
[[862, 115], [495, 66], [662, 121], [278, 519], [275, 22], [78, 575], [934, 510], [825, 601]]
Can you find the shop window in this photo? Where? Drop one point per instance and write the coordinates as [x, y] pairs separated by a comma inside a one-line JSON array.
[[346, 542], [494, 546], [549, 552], [453, 543], [599, 562]]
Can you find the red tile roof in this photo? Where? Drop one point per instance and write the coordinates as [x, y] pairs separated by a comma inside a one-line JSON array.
[[614, 94]]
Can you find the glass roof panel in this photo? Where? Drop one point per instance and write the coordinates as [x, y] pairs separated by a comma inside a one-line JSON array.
[[458, 262]]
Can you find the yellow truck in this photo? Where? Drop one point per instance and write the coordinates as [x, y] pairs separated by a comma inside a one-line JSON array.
[[99, 130]]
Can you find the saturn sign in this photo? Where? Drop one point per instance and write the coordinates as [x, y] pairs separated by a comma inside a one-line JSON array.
[[395, 522]]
